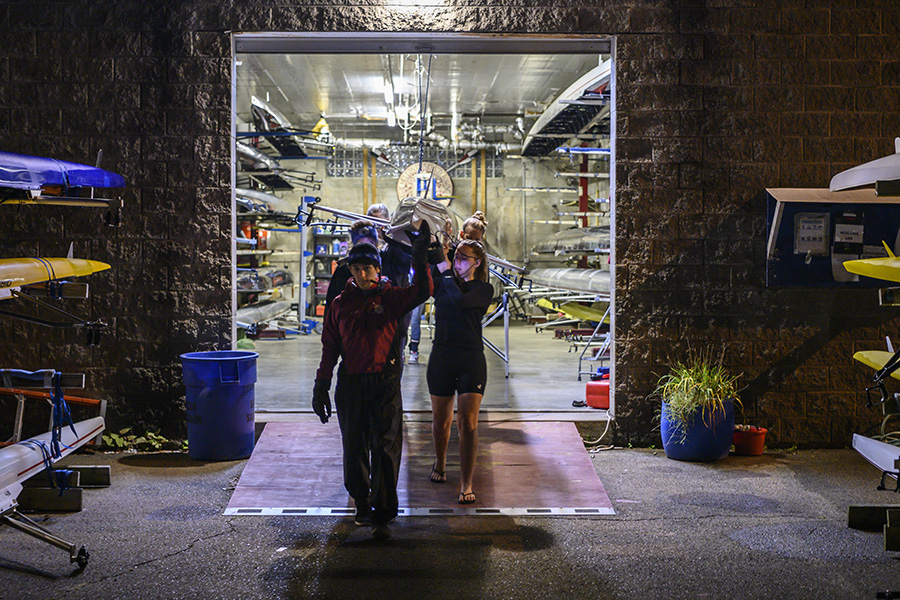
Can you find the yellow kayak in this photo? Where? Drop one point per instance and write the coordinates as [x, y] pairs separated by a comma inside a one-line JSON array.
[[876, 359], [887, 268], [16, 272], [574, 310]]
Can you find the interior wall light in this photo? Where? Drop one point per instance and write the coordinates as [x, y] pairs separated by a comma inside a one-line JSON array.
[[388, 92], [388, 76]]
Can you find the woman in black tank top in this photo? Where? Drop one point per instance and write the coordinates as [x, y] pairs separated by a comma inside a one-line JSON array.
[[457, 365]]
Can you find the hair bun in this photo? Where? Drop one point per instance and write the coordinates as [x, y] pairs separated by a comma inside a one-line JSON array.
[[480, 216]]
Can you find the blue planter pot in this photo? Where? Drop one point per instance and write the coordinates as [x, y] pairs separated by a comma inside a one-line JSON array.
[[701, 441]]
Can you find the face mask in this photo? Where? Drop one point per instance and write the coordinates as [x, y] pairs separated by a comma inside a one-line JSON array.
[[467, 266]]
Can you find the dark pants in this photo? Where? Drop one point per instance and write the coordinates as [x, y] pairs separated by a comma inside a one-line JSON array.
[[370, 413]]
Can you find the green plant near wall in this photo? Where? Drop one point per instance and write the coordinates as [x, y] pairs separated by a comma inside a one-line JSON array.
[[149, 442], [697, 383]]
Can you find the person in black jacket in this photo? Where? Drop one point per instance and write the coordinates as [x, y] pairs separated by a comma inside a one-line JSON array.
[[457, 365]]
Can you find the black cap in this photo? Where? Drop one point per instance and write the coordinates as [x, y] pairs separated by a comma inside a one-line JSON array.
[[364, 252]]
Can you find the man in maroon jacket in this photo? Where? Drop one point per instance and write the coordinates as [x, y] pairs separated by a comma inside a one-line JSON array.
[[363, 329]]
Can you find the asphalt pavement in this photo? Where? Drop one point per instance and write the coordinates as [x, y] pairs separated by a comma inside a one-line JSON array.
[[773, 526]]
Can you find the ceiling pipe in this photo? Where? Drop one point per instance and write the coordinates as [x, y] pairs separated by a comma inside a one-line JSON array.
[[435, 139], [482, 128], [501, 147]]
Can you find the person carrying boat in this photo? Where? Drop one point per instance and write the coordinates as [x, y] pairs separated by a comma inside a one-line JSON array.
[[472, 229], [457, 366], [363, 330]]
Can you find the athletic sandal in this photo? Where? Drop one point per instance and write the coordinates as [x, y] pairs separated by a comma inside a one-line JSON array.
[[467, 497], [438, 476]]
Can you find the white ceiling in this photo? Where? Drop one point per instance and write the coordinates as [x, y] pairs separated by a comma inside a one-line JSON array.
[[349, 89]]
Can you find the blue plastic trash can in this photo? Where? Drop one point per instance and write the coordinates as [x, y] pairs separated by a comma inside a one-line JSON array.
[[219, 399]]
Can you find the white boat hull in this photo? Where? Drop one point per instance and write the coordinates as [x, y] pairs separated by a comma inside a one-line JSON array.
[[20, 461], [881, 169]]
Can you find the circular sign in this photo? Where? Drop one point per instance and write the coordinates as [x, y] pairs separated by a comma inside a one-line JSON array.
[[442, 186]]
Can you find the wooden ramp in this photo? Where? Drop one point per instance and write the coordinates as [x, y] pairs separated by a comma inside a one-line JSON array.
[[524, 469]]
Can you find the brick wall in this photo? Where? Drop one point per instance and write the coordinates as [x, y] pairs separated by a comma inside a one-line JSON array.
[[716, 101]]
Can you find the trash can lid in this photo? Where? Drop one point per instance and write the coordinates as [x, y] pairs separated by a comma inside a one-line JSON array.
[[217, 355]]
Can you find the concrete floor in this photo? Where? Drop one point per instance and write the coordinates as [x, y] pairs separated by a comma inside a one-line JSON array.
[[768, 527], [543, 378]]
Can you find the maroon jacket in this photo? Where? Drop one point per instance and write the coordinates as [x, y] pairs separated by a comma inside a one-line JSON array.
[[362, 326]]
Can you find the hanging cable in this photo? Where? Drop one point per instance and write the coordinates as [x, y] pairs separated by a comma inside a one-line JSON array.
[[424, 110]]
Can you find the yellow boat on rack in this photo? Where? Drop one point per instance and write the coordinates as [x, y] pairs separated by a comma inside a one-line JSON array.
[[876, 359], [575, 310], [886, 268], [18, 272]]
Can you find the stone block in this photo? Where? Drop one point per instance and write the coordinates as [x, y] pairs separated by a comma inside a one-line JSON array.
[[828, 47], [608, 20], [870, 517], [706, 72], [114, 43], [641, 46], [93, 475], [829, 98], [158, 42], [890, 20], [804, 21], [678, 150], [809, 72], [703, 19], [635, 149], [857, 124], [727, 98], [855, 72], [885, 98], [252, 16], [41, 480], [779, 46], [646, 72], [653, 19], [41, 17], [193, 70], [786, 98], [140, 69], [754, 21], [649, 175], [857, 22], [47, 499], [756, 72], [196, 16], [705, 176], [647, 123], [211, 44]]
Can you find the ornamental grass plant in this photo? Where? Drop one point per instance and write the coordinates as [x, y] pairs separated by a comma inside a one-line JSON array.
[[698, 383]]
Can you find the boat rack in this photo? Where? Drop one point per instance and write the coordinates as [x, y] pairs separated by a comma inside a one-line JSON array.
[[46, 379]]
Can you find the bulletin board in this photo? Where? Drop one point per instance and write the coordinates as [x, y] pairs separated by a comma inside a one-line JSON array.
[[813, 231]]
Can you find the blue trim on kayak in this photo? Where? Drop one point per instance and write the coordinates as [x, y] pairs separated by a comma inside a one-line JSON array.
[[23, 172]]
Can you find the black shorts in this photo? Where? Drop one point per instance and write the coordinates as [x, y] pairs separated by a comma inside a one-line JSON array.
[[454, 371]]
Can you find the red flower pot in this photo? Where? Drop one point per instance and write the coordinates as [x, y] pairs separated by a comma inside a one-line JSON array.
[[749, 440]]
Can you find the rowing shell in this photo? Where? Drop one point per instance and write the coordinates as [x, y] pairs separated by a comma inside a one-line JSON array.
[[16, 272], [20, 461], [887, 268], [876, 359]]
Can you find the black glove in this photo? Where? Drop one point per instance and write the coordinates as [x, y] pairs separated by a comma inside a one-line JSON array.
[[420, 243], [321, 402], [435, 254]]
